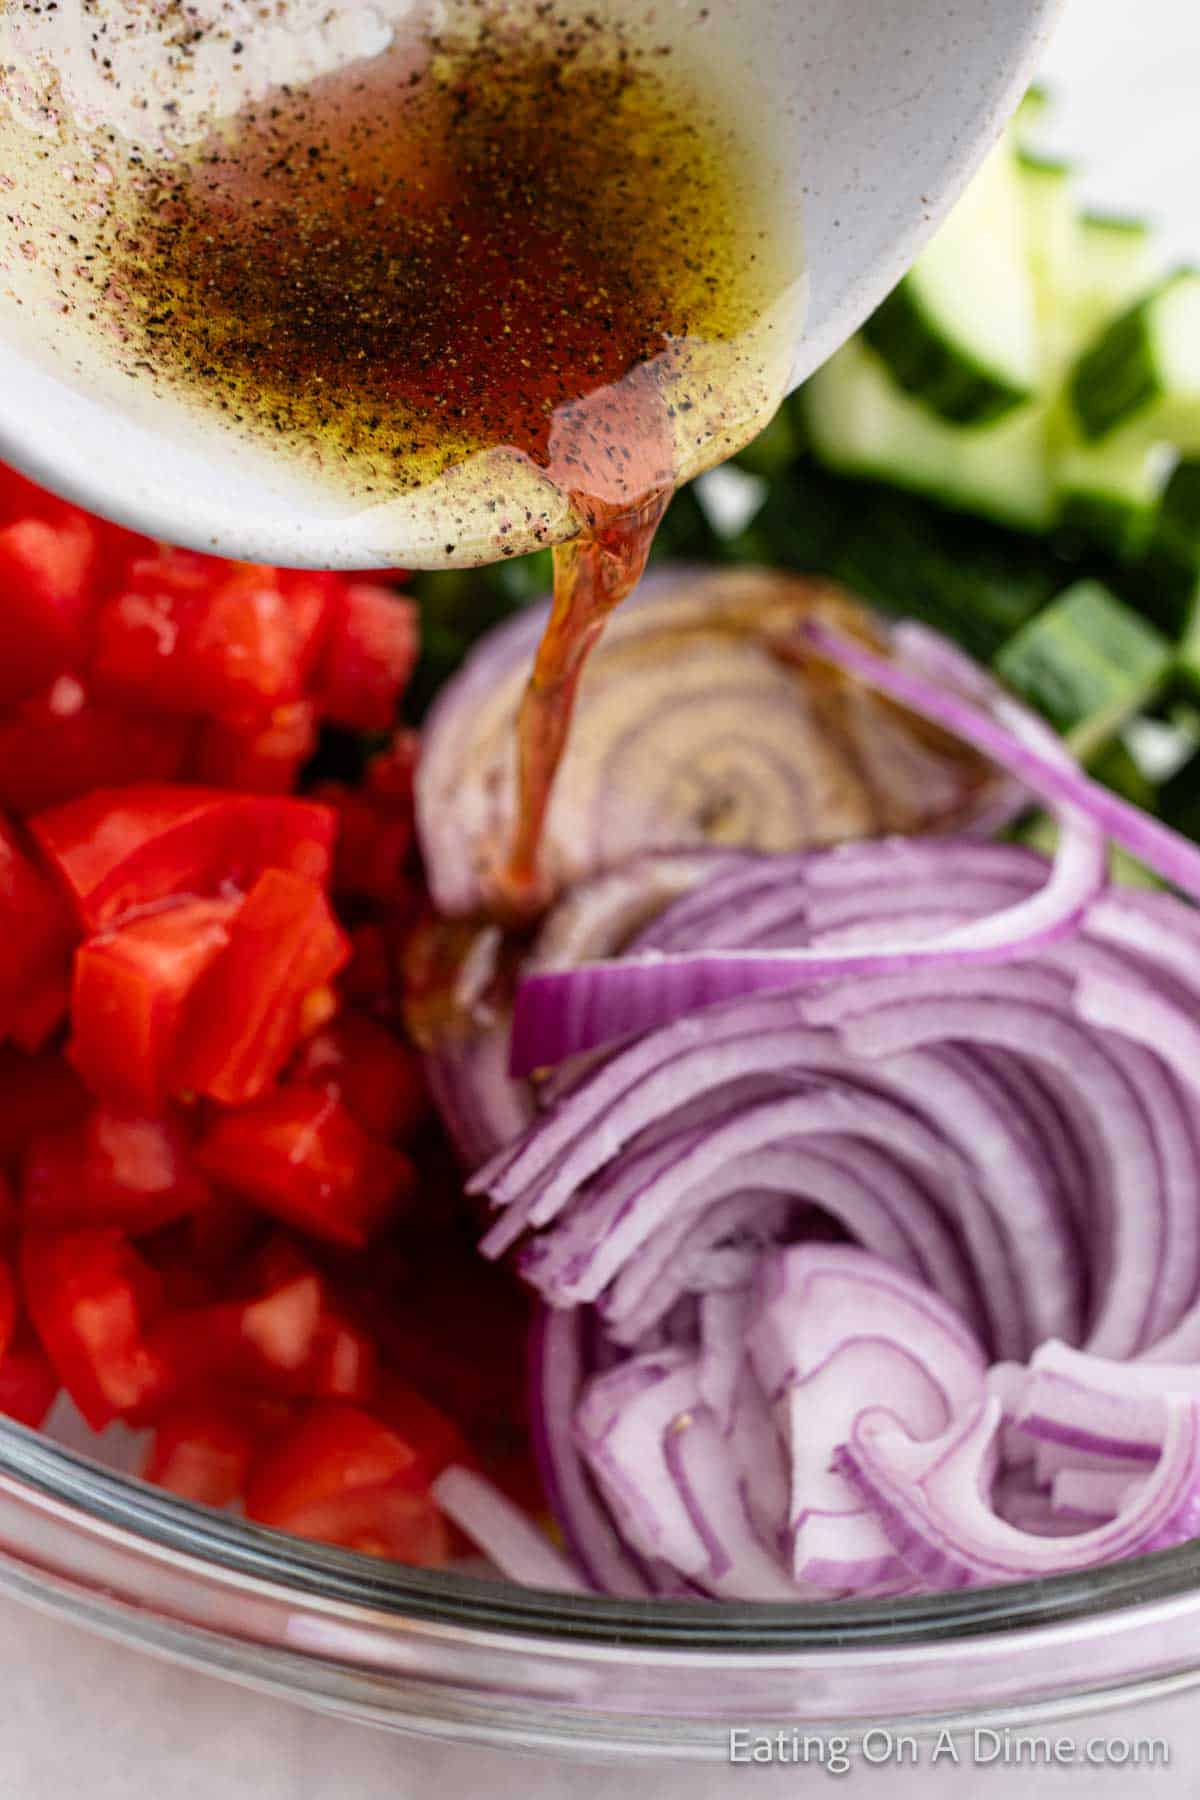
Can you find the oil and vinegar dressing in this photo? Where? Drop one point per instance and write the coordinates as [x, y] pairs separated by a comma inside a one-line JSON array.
[[523, 238]]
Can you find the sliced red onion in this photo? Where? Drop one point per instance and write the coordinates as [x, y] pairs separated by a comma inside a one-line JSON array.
[[877, 1202], [559, 1013], [903, 1013], [689, 730], [557, 1373], [1032, 1508], [1097, 1408], [1019, 1138], [1093, 1494], [931, 1500], [562, 1012], [1040, 768], [724, 1318], [465, 1039], [830, 1324], [505, 1534]]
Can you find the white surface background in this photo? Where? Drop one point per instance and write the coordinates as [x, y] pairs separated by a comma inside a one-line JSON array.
[[84, 1717]]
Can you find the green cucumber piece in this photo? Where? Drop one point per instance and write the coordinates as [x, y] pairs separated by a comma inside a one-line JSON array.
[[958, 333], [1114, 266], [1175, 549], [1087, 663], [975, 581], [1145, 367], [1052, 230], [1108, 493], [859, 423], [1167, 578]]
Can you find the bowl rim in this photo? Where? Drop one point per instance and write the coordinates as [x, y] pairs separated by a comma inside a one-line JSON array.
[[461, 1659], [164, 1523]]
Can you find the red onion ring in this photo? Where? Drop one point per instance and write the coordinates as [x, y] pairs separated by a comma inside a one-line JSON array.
[[688, 731]]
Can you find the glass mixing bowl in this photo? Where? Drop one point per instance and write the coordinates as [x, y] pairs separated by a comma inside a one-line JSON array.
[[458, 1657]]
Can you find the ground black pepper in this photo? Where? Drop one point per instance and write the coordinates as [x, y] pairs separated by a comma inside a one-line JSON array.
[[437, 253]]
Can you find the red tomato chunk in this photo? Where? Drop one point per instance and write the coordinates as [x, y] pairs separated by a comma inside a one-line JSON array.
[[300, 1155], [132, 986], [121, 850], [342, 1476], [207, 1097], [247, 1012]]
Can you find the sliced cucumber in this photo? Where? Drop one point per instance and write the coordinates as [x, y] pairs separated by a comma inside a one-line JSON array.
[[1113, 267], [1177, 529], [1174, 560], [1168, 576], [1145, 367], [958, 333], [1088, 271], [1108, 493], [859, 423], [1052, 228], [1087, 662]]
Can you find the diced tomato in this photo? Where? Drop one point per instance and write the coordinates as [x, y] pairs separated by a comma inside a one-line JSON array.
[[343, 1364], [41, 1008], [247, 1013], [341, 1476], [263, 1343], [220, 1233], [373, 844], [312, 597], [301, 1155], [37, 1093], [432, 1434], [131, 987], [36, 933], [61, 743], [193, 635], [184, 1282], [369, 655], [34, 923], [202, 1449], [264, 758], [277, 1260], [364, 1064], [28, 1384], [46, 570], [369, 977], [118, 849], [114, 1169], [475, 1374], [90, 1297]]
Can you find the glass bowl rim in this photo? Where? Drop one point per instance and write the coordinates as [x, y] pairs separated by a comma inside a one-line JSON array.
[[395, 1593]]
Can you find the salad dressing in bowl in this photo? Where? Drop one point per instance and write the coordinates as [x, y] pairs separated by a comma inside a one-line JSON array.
[[533, 264]]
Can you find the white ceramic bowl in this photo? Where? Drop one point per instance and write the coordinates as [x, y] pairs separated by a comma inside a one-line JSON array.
[[874, 113]]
